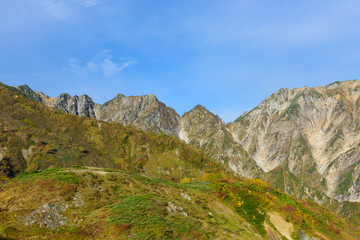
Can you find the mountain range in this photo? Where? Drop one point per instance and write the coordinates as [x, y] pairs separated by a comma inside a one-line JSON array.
[[302, 141], [310, 132]]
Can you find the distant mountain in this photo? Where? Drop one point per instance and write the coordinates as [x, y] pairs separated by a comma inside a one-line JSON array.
[[144, 112]]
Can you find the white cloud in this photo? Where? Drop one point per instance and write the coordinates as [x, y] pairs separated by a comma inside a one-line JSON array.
[[110, 68], [101, 55], [99, 63]]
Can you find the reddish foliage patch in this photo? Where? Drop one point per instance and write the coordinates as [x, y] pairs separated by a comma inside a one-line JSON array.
[[287, 208], [225, 180], [122, 227], [335, 228], [270, 197], [69, 188]]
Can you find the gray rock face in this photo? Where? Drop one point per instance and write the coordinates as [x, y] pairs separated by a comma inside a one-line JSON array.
[[145, 112], [83, 106], [309, 131], [207, 131], [48, 215]]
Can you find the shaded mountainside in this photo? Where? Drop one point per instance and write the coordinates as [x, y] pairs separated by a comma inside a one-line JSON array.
[[95, 203]]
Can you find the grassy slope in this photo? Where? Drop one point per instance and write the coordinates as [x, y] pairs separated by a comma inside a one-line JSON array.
[[118, 204], [104, 203]]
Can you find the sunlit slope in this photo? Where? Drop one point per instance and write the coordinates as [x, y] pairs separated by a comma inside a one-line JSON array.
[[34, 137]]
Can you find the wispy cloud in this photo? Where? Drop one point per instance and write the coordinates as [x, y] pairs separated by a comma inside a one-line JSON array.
[[110, 68], [101, 63], [60, 9]]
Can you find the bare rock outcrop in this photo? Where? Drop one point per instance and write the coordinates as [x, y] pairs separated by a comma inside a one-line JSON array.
[[312, 132], [145, 112]]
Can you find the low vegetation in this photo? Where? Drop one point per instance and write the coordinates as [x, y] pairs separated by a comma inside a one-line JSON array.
[[103, 203]]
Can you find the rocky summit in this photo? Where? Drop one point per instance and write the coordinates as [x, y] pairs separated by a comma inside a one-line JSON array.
[[207, 131], [144, 112], [307, 131]]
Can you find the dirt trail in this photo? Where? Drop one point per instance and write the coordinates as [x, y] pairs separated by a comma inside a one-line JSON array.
[[89, 169]]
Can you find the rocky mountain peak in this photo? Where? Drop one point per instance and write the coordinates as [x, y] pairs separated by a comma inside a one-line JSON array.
[[199, 108], [145, 112], [152, 96], [203, 129], [200, 115], [307, 130], [29, 93]]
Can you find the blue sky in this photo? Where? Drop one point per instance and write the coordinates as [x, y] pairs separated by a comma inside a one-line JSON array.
[[226, 55]]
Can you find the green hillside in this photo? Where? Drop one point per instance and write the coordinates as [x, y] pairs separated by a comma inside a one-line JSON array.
[[96, 203]]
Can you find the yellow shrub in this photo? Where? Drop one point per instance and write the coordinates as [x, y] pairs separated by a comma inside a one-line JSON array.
[[206, 177], [185, 180]]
